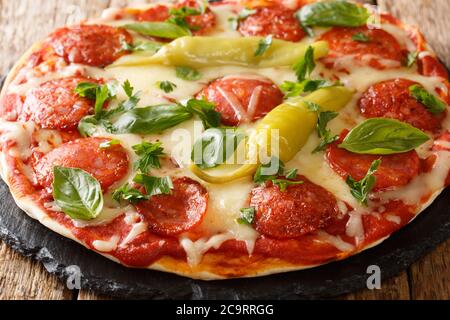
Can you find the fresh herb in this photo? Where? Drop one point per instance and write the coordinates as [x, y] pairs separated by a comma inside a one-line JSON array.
[[166, 86], [361, 189], [361, 37], [382, 136], [148, 46], [247, 216], [430, 101], [269, 171], [283, 184], [244, 14], [263, 45], [166, 30], [333, 13], [97, 92], [205, 111], [215, 146], [294, 89], [411, 59], [152, 119], [154, 185], [109, 144], [127, 193], [187, 73], [149, 154], [291, 174], [324, 117], [178, 17], [305, 66], [77, 193]]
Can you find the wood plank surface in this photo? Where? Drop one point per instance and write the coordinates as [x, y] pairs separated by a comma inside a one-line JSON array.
[[24, 22]]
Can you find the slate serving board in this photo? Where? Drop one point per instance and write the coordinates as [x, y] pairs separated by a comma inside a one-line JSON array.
[[35, 241]]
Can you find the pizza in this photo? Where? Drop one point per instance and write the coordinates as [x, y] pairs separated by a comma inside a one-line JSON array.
[[228, 139]]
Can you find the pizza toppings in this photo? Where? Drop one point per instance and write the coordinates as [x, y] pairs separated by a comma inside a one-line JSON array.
[[106, 165], [177, 212], [242, 99], [380, 47], [392, 99], [10, 106], [93, 45], [276, 21], [301, 209], [395, 170], [55, 105]]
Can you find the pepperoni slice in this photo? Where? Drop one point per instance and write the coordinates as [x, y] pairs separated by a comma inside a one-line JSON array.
[[242, 99], [301, 209], [55, 105], [200, 24], [391, 99], [107, 165], [10, 106], [431, 67], [277, 21], [178, 212], [94, 45], [395, 170], [381, 46]]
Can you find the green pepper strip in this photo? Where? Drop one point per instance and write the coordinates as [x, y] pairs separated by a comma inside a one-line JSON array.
[[198, 52], [295, 123]]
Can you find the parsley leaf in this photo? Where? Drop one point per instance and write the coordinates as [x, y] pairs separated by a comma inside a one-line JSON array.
[[284, 183], [166, 86], [241, 16], [154, 185], [323, 118], [305, 66], [247, 216], [187, 73], [291, 174], [430, 101], [361, 189], [361, 37], [126, 192], [269, 171], [263, 46], [411, 59], [97, 92], [178, 17], [149, 154], [205, 111], [294, 89], [109, 144]]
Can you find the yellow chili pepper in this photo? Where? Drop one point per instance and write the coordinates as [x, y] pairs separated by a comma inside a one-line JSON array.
[[294, 122], [198, 52]]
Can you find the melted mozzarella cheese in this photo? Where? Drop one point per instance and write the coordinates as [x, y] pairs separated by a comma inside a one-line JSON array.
[[106, 246]]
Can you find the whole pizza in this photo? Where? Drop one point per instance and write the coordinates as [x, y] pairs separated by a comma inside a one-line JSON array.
[[228, 139]]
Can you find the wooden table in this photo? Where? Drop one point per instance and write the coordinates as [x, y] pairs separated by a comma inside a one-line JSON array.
[[25, 21]]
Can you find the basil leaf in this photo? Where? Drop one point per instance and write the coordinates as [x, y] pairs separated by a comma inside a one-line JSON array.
[[247, 216], [360, 37], [430, 101], [269, 171], [87, 90], [383, 136], [128, 88], [77, 193], [166, 86], [153, 119], [411, 59], [154, 185], [360, 189], [97, 92], [126, 192], [333, 13], [205, 111], [164, 30], [263, 46], [187, 73], [88, 126], [305, 66], [215, 146], [149, 154], [149, 46]]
